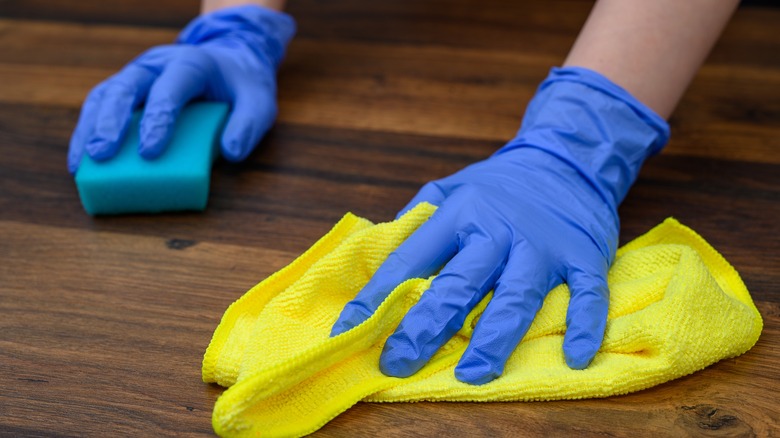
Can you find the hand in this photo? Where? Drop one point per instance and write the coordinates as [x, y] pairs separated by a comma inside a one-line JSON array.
[[230, 55], [539, 212]]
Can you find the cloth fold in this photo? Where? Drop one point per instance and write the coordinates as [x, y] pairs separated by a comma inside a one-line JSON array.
[[676, 306]]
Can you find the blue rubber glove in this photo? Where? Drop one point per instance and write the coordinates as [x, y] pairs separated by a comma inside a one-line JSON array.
[[229, 55], [540, 211]]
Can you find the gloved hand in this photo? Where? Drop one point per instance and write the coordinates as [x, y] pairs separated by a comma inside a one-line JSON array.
[[540, 211], [229, 55]]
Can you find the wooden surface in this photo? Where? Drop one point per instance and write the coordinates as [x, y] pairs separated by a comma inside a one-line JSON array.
[[103, 322]]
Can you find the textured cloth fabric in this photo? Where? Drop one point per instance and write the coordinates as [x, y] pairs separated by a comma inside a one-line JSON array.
[[676, 306]]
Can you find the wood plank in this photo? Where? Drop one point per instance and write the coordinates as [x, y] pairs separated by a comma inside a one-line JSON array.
[[58, 44], [523, 27], [270, 200], [739, 129], [105, 319], [417, 89], [527, 26], [174, 13], [351, 18], [110, 340], [104, 332]]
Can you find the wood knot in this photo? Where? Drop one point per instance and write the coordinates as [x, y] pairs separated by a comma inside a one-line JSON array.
[[707, 417], [179, 243]]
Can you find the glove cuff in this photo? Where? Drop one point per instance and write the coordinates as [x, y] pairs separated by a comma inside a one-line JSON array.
[[264, 31], [591, 123]]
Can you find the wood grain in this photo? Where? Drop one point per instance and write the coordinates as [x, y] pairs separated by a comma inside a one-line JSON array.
[[105, 320], [441, 89], [112, 345]]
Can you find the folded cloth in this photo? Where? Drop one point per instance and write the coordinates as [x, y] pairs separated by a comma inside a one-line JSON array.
[[676, 306]]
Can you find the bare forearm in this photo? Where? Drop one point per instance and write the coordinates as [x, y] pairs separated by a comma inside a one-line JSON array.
[[651, 48], [213, 5]]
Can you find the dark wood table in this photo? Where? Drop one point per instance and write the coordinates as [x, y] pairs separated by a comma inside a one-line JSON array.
[[103, 321]]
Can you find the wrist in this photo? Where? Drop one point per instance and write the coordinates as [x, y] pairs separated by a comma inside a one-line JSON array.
[[208, 6], [264, 31], [592, 124]]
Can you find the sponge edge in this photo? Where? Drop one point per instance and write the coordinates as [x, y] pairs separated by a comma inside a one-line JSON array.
[[177, 180]]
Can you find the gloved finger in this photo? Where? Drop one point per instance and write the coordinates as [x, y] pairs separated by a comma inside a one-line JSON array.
[[84, 128], [586, 318], [252, 116], [518, 296], [440, 313], [431, 193], [184, 78], [121, 94], [422, 254]]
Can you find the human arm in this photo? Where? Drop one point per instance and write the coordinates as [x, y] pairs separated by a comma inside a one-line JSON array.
[[207, 6], [230, 54], [651, 49], [543, 209]]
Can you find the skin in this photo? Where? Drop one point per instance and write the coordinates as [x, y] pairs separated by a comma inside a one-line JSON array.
[[651, 48], [212, 5]]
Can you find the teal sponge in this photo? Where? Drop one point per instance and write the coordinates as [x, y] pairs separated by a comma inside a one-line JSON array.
[[177, 180]]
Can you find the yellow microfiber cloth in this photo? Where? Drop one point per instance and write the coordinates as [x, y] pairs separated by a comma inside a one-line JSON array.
[[676, 306]]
